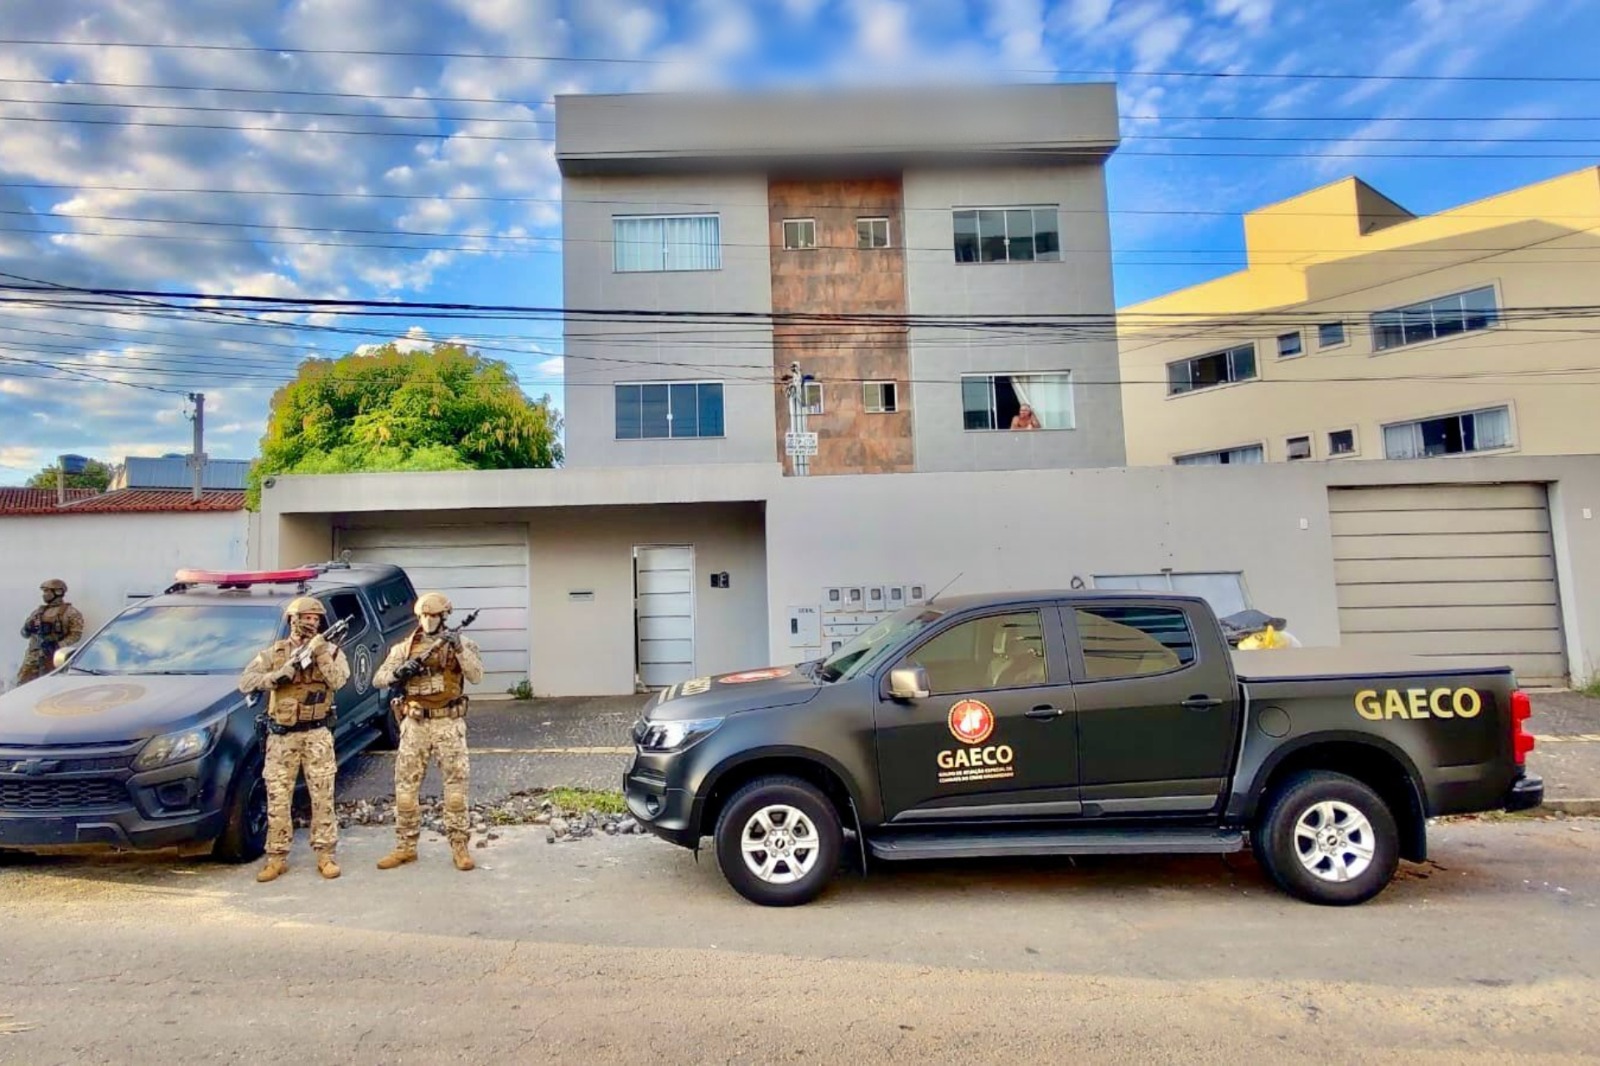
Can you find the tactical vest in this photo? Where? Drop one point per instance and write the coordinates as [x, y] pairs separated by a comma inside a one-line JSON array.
[[307, 698], [53, 624], [441, 683]]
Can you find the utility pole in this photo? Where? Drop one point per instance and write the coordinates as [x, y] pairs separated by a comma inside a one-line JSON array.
[[197, 461]]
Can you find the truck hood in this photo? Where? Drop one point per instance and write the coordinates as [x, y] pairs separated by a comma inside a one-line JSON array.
[[86, 709], [724, 694]]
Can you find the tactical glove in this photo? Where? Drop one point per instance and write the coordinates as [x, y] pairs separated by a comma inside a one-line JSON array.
[[408, 669]]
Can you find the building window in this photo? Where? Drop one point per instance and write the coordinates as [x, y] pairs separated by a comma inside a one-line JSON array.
[[1474, 431], [879, 397], [1342, 442], [1017, 401], [1252, 453], [1007, 235], [656, 410], [1218, 368], [1223, 590], [1298, 448], [1289, 345], [1133, 641], [1330, 334], [666, 242], [872, 233], [811, 397], [1464, 312], [799, 233]]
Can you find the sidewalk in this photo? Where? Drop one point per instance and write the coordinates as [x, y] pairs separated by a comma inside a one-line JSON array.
[[583, 743]]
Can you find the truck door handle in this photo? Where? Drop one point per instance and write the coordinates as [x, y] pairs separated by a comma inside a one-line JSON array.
[[1201, 703], [1044, 710]]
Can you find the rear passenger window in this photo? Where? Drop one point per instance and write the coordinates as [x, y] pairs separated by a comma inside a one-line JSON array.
[[1134, 641], [394, 598]]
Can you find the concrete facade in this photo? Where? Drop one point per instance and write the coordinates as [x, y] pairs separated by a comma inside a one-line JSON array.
[[1342, 254]]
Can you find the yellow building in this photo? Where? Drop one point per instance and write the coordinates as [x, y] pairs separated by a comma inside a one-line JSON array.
[[1362, 331]]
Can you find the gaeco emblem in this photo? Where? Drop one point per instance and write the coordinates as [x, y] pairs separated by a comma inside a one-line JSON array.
[[1418, 703], [971, 721]]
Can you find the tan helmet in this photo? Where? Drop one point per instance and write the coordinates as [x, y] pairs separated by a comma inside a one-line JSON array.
[[55, 584], [433, 603], [306, 605]]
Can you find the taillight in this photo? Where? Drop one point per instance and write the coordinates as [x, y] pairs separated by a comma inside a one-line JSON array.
[[1521, 739]]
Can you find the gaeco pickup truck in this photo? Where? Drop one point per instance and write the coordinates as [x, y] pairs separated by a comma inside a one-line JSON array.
[[1077, 723]]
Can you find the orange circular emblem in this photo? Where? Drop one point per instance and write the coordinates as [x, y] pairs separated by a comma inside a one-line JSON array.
[[971, 721], [755, 675], [93, 699]]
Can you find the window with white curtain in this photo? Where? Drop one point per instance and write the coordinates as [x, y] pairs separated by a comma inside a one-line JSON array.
[[666, 242], [1004, 401], [1223, 590], [1473, 431], [1253, 453]]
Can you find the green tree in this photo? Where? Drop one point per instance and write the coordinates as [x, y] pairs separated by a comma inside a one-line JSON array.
[[96, 475], [448, 408]]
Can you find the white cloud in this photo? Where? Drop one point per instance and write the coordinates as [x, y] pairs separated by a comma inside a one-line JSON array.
[[1252, 13], [553, 367], [1160, 40]]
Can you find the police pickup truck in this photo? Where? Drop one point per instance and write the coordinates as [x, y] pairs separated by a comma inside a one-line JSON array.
[[141, 739], [1072, 724]]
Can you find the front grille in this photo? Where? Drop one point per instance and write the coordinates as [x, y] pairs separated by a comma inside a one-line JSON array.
[[104, 764], [45, 796]]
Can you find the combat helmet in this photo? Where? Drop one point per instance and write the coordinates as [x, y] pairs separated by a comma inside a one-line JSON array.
[[55, 584], [305, 605], [433, 603]]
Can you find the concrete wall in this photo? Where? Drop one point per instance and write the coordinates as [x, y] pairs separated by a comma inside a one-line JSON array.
[[106, 560], [600, 353], [584, 647], [1079, 284]]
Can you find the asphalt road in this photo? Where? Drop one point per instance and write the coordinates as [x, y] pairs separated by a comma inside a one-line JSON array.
[[627, 950]]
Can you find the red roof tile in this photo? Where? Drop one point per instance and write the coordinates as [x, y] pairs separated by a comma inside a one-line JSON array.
[[36, 501], [126, 501]]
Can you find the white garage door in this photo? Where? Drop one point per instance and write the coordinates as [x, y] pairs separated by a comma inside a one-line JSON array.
[[664, 578], [481, 568], [1450, 570]]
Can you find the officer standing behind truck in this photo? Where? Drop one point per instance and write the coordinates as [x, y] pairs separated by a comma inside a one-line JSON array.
[[53, 625], [432, 665], [301, 674]]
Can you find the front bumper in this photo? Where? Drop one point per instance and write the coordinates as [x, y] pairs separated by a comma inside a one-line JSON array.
[[1526, 793], [655, 801]]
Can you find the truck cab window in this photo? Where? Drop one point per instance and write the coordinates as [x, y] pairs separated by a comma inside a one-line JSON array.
[[1133, 641], [997, 652]]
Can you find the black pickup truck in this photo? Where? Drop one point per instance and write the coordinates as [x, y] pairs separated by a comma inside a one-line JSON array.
[[1077, 723]]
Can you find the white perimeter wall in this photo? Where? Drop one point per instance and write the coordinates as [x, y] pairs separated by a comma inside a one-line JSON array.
[[105, 559]]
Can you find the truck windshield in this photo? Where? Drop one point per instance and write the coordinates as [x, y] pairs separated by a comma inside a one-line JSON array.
[[180, 639], [869, 647]]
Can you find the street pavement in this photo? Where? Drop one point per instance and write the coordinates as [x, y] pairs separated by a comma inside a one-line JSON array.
[[626, 949]]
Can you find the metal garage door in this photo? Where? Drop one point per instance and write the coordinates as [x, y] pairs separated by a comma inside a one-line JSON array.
[[664, 578], [481, 568], [1450, 569]]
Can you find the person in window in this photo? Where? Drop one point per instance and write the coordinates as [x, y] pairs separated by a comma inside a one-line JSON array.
[[1025, 419]]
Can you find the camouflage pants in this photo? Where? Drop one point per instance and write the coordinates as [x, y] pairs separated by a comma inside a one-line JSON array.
[[36, 662], [420, 739], [286, 754]]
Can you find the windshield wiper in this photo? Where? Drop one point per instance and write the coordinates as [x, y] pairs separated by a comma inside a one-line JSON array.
[[87, 670]]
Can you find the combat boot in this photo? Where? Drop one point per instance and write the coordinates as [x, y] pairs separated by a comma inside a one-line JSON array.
[[326, 866], [398, 857], [275, 868], [458, 852]]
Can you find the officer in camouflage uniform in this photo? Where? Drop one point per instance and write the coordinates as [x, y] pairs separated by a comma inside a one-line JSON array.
[[433, 665], [54, 625], [299, 716]]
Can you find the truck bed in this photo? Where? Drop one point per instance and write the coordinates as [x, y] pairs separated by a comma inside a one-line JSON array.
[[1321, 664]]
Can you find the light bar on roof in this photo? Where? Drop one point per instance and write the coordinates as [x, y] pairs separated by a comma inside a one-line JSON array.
[[245, 578]]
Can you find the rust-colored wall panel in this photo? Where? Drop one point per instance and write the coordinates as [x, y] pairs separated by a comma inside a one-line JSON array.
[[837, 277]]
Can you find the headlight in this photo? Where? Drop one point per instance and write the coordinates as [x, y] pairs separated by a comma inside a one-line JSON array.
[[172, 748], [674, 736]]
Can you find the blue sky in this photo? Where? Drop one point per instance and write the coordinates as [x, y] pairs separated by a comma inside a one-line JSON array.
[[88, 172]]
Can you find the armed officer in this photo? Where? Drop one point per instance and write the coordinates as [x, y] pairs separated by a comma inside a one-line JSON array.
[[53, 625], [432, 666], [301, 675]]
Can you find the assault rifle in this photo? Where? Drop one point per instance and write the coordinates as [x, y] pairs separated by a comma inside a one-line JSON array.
[[397, 690], [302, 656]]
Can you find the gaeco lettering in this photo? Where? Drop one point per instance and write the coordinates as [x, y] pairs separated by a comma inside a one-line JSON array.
[[1418, 703], [994, 755]]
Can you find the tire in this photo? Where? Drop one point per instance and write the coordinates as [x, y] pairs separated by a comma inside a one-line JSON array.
[[388, 728], [244, 835], [1327, 838], [800, 815]]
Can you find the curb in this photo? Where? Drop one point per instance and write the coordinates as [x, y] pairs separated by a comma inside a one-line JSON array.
[[1573, 807]]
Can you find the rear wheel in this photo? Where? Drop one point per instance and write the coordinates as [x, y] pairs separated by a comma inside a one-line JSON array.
[[244, 835], [778, 841], [388, 726], [1328, 838]]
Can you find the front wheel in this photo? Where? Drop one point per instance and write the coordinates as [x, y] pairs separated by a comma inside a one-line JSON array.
[[1328, 838], [244, 834], [778, 841]]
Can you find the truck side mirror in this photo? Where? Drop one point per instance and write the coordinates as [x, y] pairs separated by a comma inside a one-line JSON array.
[[908, 683], [62, 657]]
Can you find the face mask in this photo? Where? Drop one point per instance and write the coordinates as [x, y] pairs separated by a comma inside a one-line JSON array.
[[431, 623], [50, 597], [304, 629]]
